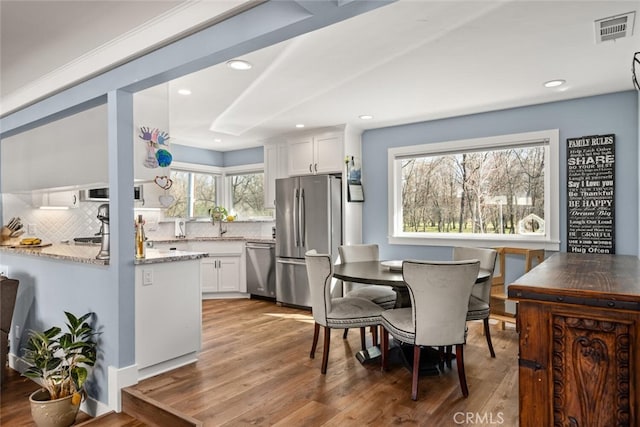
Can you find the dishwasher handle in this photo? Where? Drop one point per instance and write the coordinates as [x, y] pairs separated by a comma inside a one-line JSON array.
[[260, 246]]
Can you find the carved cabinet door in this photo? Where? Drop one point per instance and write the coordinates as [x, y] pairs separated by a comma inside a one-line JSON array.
[[576, 366]]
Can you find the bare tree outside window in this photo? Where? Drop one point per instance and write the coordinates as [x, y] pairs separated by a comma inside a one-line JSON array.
[[194, 193], [479, 192], [247, 195]]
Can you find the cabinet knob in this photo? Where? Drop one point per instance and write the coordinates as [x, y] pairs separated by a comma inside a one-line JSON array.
[[315, 165], [310, 170]]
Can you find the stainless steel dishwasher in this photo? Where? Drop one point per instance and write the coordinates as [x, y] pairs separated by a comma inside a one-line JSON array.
[[261, 269]]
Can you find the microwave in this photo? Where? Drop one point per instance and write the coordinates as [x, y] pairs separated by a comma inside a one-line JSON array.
[[102, 194]]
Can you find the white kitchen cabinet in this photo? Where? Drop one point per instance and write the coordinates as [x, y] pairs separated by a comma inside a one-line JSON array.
[[71, 151], [220, 274], [151, 193], [56, 199], [168, 315], [316, 153], [275, 166], [223, 271]]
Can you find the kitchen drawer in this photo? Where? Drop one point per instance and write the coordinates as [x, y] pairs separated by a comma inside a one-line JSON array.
[[218, 248]]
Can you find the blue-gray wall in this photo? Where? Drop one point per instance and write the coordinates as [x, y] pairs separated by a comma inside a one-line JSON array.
[[612, 113], [48, 286], [201, 156]]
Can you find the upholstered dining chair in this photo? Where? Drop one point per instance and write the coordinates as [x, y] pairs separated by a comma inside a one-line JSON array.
[[338, 313], [439, 293], [384, 296], [479, 302]]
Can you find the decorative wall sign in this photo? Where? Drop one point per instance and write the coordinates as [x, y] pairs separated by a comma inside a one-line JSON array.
[[590, 194], [355, 193], [157, 142]]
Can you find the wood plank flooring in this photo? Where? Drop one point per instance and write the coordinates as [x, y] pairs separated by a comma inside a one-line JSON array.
[[254, 369]]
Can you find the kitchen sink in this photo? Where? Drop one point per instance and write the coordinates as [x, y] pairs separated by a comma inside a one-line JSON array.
[[95, 240]]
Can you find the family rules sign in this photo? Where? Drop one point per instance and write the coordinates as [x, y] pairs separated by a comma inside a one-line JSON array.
[[590, 194]]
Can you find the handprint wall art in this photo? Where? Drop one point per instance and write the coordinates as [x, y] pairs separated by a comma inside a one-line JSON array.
[[157, 142]]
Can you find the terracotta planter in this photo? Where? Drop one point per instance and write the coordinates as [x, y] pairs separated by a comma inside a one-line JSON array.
[[52, 413]]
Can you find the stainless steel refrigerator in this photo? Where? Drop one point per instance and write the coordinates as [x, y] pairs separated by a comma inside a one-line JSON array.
[[308, 216]]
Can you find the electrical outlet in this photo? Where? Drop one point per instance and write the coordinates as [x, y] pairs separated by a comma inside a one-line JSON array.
[[4, 270], [147, 277], [16, 331]]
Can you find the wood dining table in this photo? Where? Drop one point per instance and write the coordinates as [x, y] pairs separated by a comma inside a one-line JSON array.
[[384, 273], [377, 273]]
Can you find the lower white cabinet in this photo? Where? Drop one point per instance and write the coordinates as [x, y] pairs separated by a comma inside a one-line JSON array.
[[220, 274], [223, 271]]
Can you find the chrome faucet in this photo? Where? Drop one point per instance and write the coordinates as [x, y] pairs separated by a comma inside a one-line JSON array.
[[218, 213]]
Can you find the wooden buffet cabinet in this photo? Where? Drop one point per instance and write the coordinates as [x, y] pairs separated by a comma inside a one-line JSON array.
[[579, 361]]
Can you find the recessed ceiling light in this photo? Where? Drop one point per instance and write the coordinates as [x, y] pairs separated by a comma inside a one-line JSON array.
[[300, 125], [184, 91], [554, 83], [239, 64], [366, 117]]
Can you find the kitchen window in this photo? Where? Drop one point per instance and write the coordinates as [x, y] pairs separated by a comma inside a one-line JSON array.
[[495, 191], [244, 186], [195, 191]]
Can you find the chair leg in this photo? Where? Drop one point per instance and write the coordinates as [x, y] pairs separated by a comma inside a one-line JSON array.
[[344, 335], [461, 374], [416, 372], [487, 334], [374, 335], [316, 332], [441, 357], [325, 350], [385, 350], [448, 356], [363, 340]]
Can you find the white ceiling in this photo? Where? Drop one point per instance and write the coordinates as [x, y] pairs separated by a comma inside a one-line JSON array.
[[401, 63]]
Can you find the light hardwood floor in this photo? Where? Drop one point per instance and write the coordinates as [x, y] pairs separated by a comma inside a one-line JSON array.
[[254, 369]]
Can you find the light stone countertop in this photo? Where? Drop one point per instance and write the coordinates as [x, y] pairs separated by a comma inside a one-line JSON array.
[[87, 253], [153, 256], [68, 252]]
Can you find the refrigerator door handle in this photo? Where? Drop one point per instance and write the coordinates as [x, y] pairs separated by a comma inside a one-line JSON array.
[[296, 204], [303, 221], [291, 261]]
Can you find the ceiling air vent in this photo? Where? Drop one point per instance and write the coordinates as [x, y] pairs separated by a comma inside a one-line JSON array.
[[614, 27]]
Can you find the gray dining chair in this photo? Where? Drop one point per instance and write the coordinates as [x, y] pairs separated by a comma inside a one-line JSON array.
[[480, 300], [334, 313], [384, 296], [439, 293]]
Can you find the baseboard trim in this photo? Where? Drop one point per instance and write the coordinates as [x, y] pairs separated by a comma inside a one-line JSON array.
[[167, 365], [119, 378]]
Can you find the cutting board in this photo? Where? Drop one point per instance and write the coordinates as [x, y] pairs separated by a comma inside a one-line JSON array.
[[41, 245]]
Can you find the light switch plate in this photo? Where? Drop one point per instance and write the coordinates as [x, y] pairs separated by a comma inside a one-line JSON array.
[[147, 277]]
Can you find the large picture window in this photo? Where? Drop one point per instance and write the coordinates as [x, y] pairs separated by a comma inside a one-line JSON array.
[[488, 191]]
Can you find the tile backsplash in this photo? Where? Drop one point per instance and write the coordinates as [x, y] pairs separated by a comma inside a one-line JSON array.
[[58, 225]]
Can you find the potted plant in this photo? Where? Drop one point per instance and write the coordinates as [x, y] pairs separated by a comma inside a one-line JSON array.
[[218, 213], [59, 361]]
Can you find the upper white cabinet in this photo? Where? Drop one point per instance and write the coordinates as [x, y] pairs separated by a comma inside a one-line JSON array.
[[316, 153], [275, 166], [66, 199], [71, 151]]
